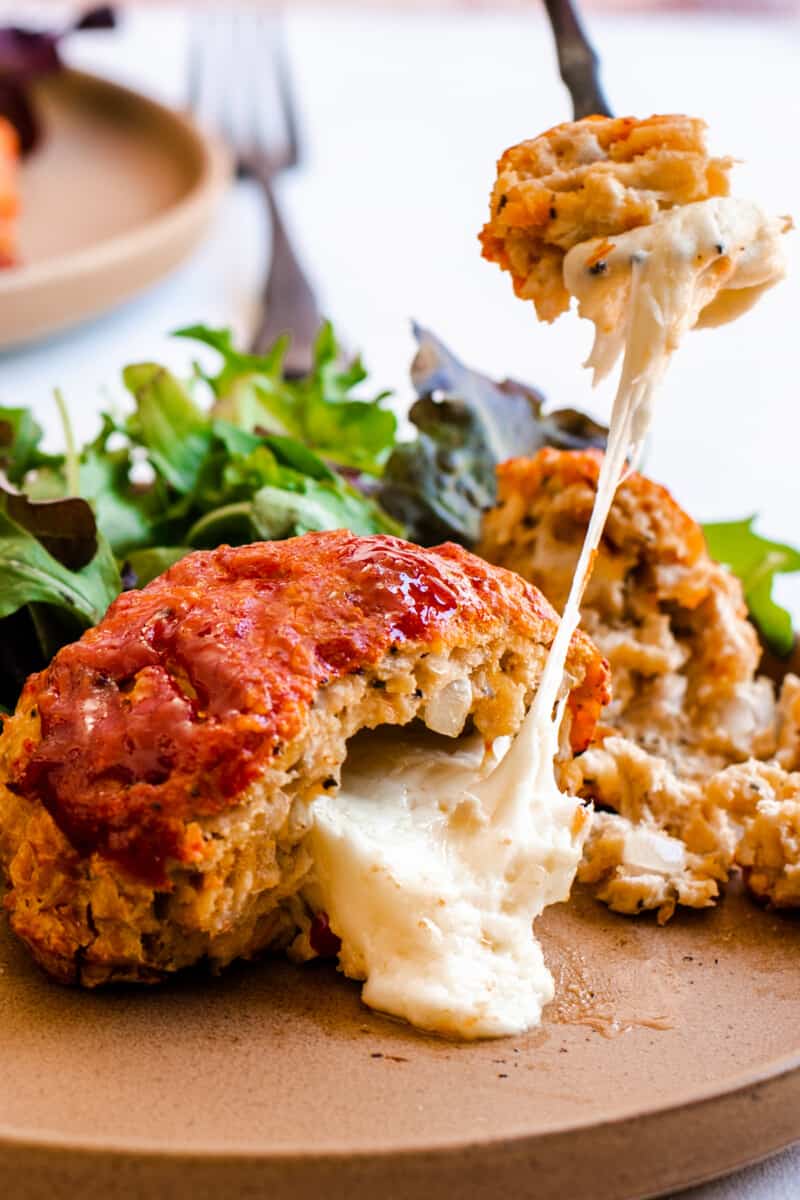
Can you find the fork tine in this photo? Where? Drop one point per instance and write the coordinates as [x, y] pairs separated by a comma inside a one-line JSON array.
[[286, 95], [195, 73], [239, 84], [218, 94], [272, 111]]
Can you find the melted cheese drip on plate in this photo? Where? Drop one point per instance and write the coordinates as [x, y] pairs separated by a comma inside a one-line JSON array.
[[432, 861]]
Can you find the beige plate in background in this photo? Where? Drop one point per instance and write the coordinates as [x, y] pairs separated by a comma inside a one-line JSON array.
[[119, 192], [670, 1055]]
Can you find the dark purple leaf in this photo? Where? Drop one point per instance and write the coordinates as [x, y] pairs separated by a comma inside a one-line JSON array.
[[102, 17], [25, 53], [29, 54], [17, 108]]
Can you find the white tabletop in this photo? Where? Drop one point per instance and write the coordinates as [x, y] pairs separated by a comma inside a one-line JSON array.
[[403, 115]]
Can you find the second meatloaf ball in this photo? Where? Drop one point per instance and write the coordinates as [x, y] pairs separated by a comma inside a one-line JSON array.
[[155, 778]]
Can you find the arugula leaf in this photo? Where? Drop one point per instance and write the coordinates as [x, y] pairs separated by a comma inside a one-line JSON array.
[[126, 513], [299, 458], [278, 513], [20, 436], [126, 518], [168, 423], [318, 410], [440, 484], [756, 561], [297, 504], [287, 451], [236, 363]]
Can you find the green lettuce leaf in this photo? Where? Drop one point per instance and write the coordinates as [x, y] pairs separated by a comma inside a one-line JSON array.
[[20, 437], [143, 566], [756, 561]]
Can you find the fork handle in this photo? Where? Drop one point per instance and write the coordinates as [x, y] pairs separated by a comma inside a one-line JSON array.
[[577, 60], [288, 302]]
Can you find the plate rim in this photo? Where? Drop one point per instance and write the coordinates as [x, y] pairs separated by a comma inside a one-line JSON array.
[[779, 1072], [214, 172]]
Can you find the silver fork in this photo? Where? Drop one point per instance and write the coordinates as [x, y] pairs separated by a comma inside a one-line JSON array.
[[239, 86], [577, 59]]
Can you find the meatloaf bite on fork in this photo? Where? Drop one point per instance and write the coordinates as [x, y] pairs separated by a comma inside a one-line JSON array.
[[156, 778], [593, 178]]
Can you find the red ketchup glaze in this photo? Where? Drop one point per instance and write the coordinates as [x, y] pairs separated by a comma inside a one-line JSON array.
[[178, 699]]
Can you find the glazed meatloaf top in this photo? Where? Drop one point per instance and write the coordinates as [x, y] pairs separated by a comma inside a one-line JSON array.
[[190, 688]]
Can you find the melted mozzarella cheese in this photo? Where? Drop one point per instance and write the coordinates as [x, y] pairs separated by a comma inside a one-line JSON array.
[[433, 863], [702, 263]]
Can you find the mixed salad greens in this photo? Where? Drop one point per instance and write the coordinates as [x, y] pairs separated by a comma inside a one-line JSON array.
[[244, 454]]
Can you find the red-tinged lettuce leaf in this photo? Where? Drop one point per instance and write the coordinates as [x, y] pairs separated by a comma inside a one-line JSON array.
[[440, 484], [57, 577], [51, 553], [65, 527]]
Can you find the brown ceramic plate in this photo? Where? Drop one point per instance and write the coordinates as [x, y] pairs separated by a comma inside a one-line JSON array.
[[671, 1055], [118, 194]]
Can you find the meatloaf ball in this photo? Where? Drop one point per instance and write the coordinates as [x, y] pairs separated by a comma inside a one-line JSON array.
[[155, 778], [586, 179], [671, 621], [688, 706]]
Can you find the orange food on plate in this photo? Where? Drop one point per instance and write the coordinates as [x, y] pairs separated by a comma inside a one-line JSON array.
[[9, 198]]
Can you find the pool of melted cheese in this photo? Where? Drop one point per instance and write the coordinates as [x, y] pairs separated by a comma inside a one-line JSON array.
[[433, 860]]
